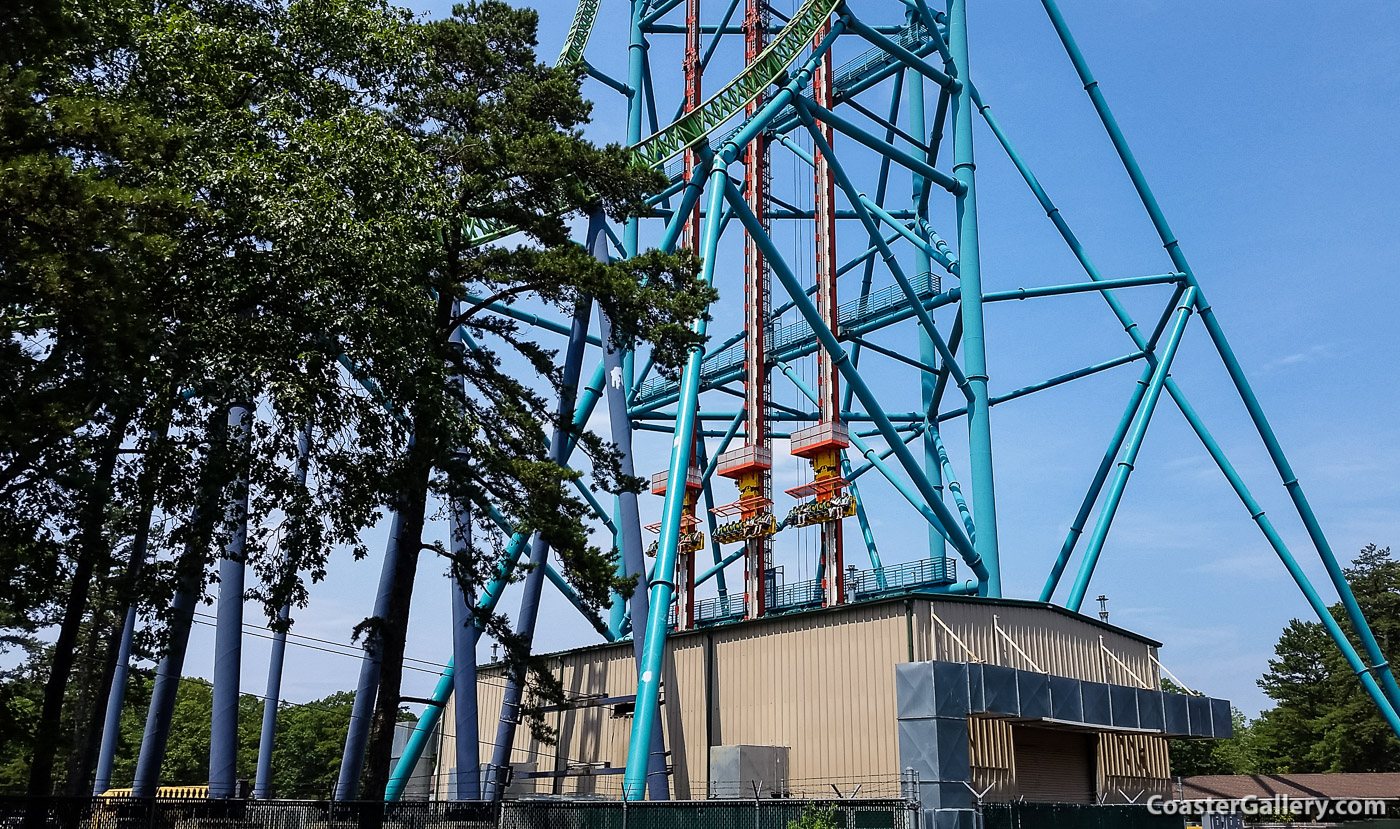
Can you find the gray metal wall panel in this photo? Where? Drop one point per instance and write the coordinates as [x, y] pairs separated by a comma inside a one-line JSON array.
[[1124, 704], [1097, 708], [1033, 691], [1151, 714], [1066, 701], [1178, 713]]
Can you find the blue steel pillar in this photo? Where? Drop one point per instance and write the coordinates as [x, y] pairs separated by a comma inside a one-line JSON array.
[[121, 675], [617, 607], [352, 760], [464, 636], [228, 631], [539, 556], [171, 667], [979, 429], [272, 697], [430, 717], [116, 697], [629, 525], [465, 633]]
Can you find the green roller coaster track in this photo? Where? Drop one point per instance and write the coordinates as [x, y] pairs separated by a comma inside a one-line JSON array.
[[579, 32], [766, 70]]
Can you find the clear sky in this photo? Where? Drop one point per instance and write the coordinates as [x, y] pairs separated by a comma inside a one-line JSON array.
[[1268, 131]]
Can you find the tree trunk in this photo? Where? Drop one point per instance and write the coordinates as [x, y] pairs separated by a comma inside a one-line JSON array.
[[412, 505], [83, 766], [89, 716], [91, 550]]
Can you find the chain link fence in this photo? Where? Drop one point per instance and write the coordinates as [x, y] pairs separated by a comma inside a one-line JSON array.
[[1072, 816], [126, 813]]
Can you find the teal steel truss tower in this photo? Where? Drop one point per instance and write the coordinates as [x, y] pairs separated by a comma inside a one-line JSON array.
[[821, 161]]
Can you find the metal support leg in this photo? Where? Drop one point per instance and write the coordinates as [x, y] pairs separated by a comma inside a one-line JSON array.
[[170, 670], [367, 687], [539, 555], [979, 429], [1125, 465], [228, 633], [1169, 241], [629, 523], [464, 636], [121, 674], [937, 547], [662, 586], [262, 783]]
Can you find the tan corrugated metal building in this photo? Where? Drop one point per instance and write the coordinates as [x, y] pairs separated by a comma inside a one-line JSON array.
[[822, 683]]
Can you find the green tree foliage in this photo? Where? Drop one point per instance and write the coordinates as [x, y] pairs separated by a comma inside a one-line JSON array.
[[815, 817], [1323, 720], [306, 746], [206, 201], [502, 131]]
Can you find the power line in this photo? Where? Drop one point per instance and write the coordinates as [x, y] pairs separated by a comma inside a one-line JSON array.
[[257, 630]]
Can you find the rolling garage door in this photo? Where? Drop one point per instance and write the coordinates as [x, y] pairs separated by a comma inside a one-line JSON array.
[[1054, 766]]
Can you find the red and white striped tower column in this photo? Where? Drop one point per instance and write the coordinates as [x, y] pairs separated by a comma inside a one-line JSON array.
[[827, 464], [757, 388]]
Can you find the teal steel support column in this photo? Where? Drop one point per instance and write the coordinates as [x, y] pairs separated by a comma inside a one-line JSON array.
[[705, 479], [868, 258], [717, 569], [904, 56], [846, 128], [1076, 527], [1378, 665], [979, 428], [805, 112], [711, 523], [946, 465], [1125, 465], [662, 585], [1261, 423], [918, 126], [864, 522], [1324, 614]]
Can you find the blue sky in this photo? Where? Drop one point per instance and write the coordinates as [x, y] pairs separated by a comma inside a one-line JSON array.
[[1267, 130]]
